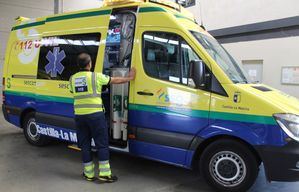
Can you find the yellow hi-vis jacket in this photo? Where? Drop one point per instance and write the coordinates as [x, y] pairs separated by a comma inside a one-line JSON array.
[[86, 87]]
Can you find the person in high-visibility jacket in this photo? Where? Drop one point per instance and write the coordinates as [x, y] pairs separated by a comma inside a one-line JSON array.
[[86, 87]]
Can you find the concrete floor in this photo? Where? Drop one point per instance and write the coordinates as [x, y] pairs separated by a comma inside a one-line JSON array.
[[56, 168]]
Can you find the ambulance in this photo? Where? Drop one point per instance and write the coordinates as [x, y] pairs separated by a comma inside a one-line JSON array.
[[191, 105]]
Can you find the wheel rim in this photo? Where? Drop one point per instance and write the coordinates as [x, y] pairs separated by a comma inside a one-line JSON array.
[[32, 131], [227, 168]]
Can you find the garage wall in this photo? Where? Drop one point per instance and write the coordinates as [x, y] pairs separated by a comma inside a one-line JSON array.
[[277, 46], [219, 14], [275, 53], [74, 5], [11, 9]]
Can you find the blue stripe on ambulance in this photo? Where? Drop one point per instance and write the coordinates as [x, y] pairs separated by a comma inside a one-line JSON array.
[[253, 133]]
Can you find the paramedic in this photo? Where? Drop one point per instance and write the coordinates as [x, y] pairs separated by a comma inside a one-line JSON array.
[[90, 118]]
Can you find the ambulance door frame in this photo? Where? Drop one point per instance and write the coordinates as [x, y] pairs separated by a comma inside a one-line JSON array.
[[126, 149]]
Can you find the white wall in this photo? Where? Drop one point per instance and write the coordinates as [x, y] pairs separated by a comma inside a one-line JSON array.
[[11, 9], [275, 54], [219, 14], [74, 5]]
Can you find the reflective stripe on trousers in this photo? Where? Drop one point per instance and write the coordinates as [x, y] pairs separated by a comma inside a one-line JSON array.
[[89, 169], [104, 168]]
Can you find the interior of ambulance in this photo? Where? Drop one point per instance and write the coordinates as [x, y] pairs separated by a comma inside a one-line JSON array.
[[117, 61]]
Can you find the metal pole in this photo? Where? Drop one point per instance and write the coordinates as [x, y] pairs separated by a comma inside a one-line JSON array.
[[58, 6], [201, 13]]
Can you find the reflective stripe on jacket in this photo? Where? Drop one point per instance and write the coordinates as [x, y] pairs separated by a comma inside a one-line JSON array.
[[86, 88]]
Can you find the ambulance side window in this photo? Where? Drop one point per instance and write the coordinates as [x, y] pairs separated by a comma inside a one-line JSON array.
[[161, 56], [187, 55], [58, 55], [167, 56]]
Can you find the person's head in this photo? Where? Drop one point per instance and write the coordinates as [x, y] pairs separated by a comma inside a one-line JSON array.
[[84, 61]]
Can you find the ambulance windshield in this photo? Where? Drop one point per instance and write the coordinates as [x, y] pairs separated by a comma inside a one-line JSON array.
[[222, 58]]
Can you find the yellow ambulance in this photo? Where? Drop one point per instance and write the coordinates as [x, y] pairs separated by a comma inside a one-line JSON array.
[[191, 105]]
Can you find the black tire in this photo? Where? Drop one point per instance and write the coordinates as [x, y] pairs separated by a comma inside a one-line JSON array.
[[229, 165], [30, 131]]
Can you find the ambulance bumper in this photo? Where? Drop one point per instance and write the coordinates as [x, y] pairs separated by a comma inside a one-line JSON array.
[[281, 163]]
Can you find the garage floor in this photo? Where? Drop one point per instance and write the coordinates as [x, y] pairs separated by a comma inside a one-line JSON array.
[[56, 168]]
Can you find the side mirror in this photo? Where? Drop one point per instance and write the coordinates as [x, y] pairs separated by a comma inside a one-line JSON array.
[[197, 73]]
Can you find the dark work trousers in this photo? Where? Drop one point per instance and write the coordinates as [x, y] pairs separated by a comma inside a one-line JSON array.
[[93, 126]]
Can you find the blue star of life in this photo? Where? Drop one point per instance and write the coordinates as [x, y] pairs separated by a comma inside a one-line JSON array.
[[55, 58]]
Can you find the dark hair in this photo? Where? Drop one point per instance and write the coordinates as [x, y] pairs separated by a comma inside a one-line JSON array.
[[83, 60]]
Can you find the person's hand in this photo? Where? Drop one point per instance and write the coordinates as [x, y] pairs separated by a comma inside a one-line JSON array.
[[120, 80], [132, 73]]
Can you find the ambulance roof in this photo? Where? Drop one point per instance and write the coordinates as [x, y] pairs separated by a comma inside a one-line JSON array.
[[108, 5]]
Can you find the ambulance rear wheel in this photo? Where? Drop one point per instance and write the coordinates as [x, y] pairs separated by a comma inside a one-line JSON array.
[[31, 132], [229, 165]]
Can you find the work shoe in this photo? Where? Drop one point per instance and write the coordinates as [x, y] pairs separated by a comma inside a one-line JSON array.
[[88, 178], [108, 179]]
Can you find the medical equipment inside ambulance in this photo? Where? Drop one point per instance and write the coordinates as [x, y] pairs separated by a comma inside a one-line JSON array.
[[117, 62]]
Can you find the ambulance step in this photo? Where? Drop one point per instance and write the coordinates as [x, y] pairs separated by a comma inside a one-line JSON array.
[[74, 147]]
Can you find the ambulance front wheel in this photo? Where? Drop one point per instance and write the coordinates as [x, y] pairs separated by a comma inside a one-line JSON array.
[[31, 132], [229, 165]]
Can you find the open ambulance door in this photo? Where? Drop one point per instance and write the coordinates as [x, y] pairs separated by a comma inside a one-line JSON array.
[[117, 62]]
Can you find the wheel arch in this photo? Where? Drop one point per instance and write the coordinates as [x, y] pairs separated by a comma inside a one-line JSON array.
[[23, 115], [203, 145]]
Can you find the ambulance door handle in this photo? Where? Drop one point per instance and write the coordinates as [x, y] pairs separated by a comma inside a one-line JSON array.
[[144, 93]]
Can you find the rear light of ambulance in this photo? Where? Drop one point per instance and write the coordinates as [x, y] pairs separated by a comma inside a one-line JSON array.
[[3, 88]]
